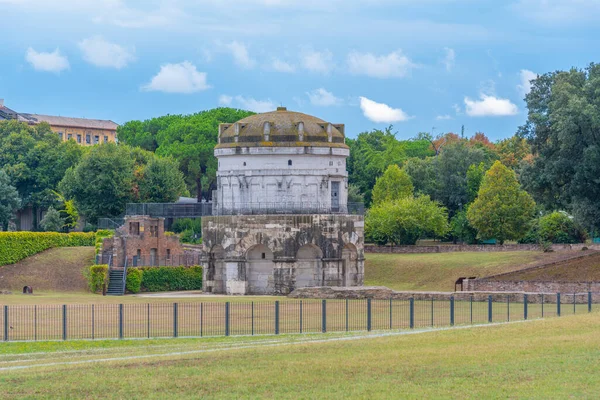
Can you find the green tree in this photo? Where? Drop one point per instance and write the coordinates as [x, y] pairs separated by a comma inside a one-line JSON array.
[[405, 220], [461, 229], [556, 227], [354, 194], [423, 174], [512, 151], [9, 200], [393, 184], [475, 175], [502, 209], [52, 221], [162, 181]]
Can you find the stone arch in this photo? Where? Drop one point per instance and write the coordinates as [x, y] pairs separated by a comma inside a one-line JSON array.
[[215, 272], [350, 265], [309, 266], [259, 272]]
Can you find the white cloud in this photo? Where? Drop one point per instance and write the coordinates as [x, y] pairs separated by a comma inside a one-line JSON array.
[[50, 62], [247, 103], [380, 112], [282, 66], [178, 78], [489, 106], [443, 117], [457, 109], [393, 65], [317, 61], [526, 77], [449, 59], [101, 53], [240, 55], [321, 97]]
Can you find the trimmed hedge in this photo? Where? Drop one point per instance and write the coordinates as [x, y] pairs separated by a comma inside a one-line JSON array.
[[133, 282], [15, 246], [164, 279], [97, 276], [100, 235]]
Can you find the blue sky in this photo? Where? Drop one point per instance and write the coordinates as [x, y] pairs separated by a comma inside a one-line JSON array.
[[416, 64]]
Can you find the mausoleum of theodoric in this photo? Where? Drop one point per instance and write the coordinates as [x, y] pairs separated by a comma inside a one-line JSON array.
[[280, 218]]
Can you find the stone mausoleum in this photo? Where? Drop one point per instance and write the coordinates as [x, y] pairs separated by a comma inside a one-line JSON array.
[[280, 217]]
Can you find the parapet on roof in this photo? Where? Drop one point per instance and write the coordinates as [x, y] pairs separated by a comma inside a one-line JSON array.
[[281, 128], [70, 122]]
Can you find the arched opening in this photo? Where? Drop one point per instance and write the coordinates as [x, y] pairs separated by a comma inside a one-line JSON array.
[[214, 272], [260, 269], [350, 260], [308, 266]]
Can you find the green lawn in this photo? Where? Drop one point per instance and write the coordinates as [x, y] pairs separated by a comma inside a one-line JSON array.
[[439, 271], [553, 358]]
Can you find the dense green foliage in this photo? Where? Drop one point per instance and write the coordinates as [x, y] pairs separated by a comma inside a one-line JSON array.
[[189, 139], [556, 227], [15, 246], [392, 185], [461, 230], [164, 279], [404, 221], [110, 175], [563, 128], [502, 209], [52, 221], [133, 282], [189, 230], [9, 200], [100, 235], [97, 276]]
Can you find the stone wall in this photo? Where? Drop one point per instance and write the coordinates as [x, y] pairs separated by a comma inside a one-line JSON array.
[[450, 248], [566, 288], [274, 254]]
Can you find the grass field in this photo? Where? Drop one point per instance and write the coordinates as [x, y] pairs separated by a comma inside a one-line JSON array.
[[586, 269], [439, 271], [554, 358]]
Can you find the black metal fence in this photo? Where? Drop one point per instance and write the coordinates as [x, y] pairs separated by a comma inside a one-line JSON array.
[[194, 210], [110, 223], [120, 321]]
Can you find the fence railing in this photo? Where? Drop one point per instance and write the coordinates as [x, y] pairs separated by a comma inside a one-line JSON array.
[[120, 321], [110, 223], [171, 261], [194, 210]]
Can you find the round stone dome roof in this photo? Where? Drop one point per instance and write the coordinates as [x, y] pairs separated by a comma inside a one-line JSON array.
[[281, 128]]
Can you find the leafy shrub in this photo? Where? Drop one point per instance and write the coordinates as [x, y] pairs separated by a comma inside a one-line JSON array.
[[100, 235], [15, 246], [133, 282], [556, 227], [182, 224], [97, 277], [163, 279], [190, 236], [52, 221]]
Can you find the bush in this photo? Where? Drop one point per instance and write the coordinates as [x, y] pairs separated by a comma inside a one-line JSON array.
[[556, 227], [15, 246], [182, 224], [97, 277], [164, 279], [100, 235], [190, 236], [133, 282]]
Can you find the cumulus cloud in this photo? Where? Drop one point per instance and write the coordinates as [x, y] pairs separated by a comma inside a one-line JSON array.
[[489, 106], [449, 58], [380, 112], [393, 65], [49, 62], [317, 61], [526, 77], [282, 66], [178, 78], [443, 117], [247, 103], [240, 55], [102, 53], [321, 97]]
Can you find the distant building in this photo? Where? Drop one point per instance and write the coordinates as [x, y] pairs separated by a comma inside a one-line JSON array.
[[86, 132]]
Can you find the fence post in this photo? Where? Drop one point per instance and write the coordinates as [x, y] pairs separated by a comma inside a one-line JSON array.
[[324, 316], [175, 319], [411, 308], [471, 309], [558, 304], [490, 308], [277, 317], [227, 318], [451, 310], [252, 306], [589, 301], [64, 321], [300, 316], [390, 313], [346, 315], [368, 314], [525, 305], [6, 323], [120, 321]]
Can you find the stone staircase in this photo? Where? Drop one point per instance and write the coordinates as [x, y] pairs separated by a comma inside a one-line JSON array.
[[116, 286]]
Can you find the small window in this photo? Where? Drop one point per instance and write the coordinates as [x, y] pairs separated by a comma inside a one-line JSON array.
[[134, 228], [289, 162], [263, 256], [244, 163], [168, 254], [88, 139], [105, 139], [331, 163], [78, 138], [60, 135], [69, 136], [96, 139]]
